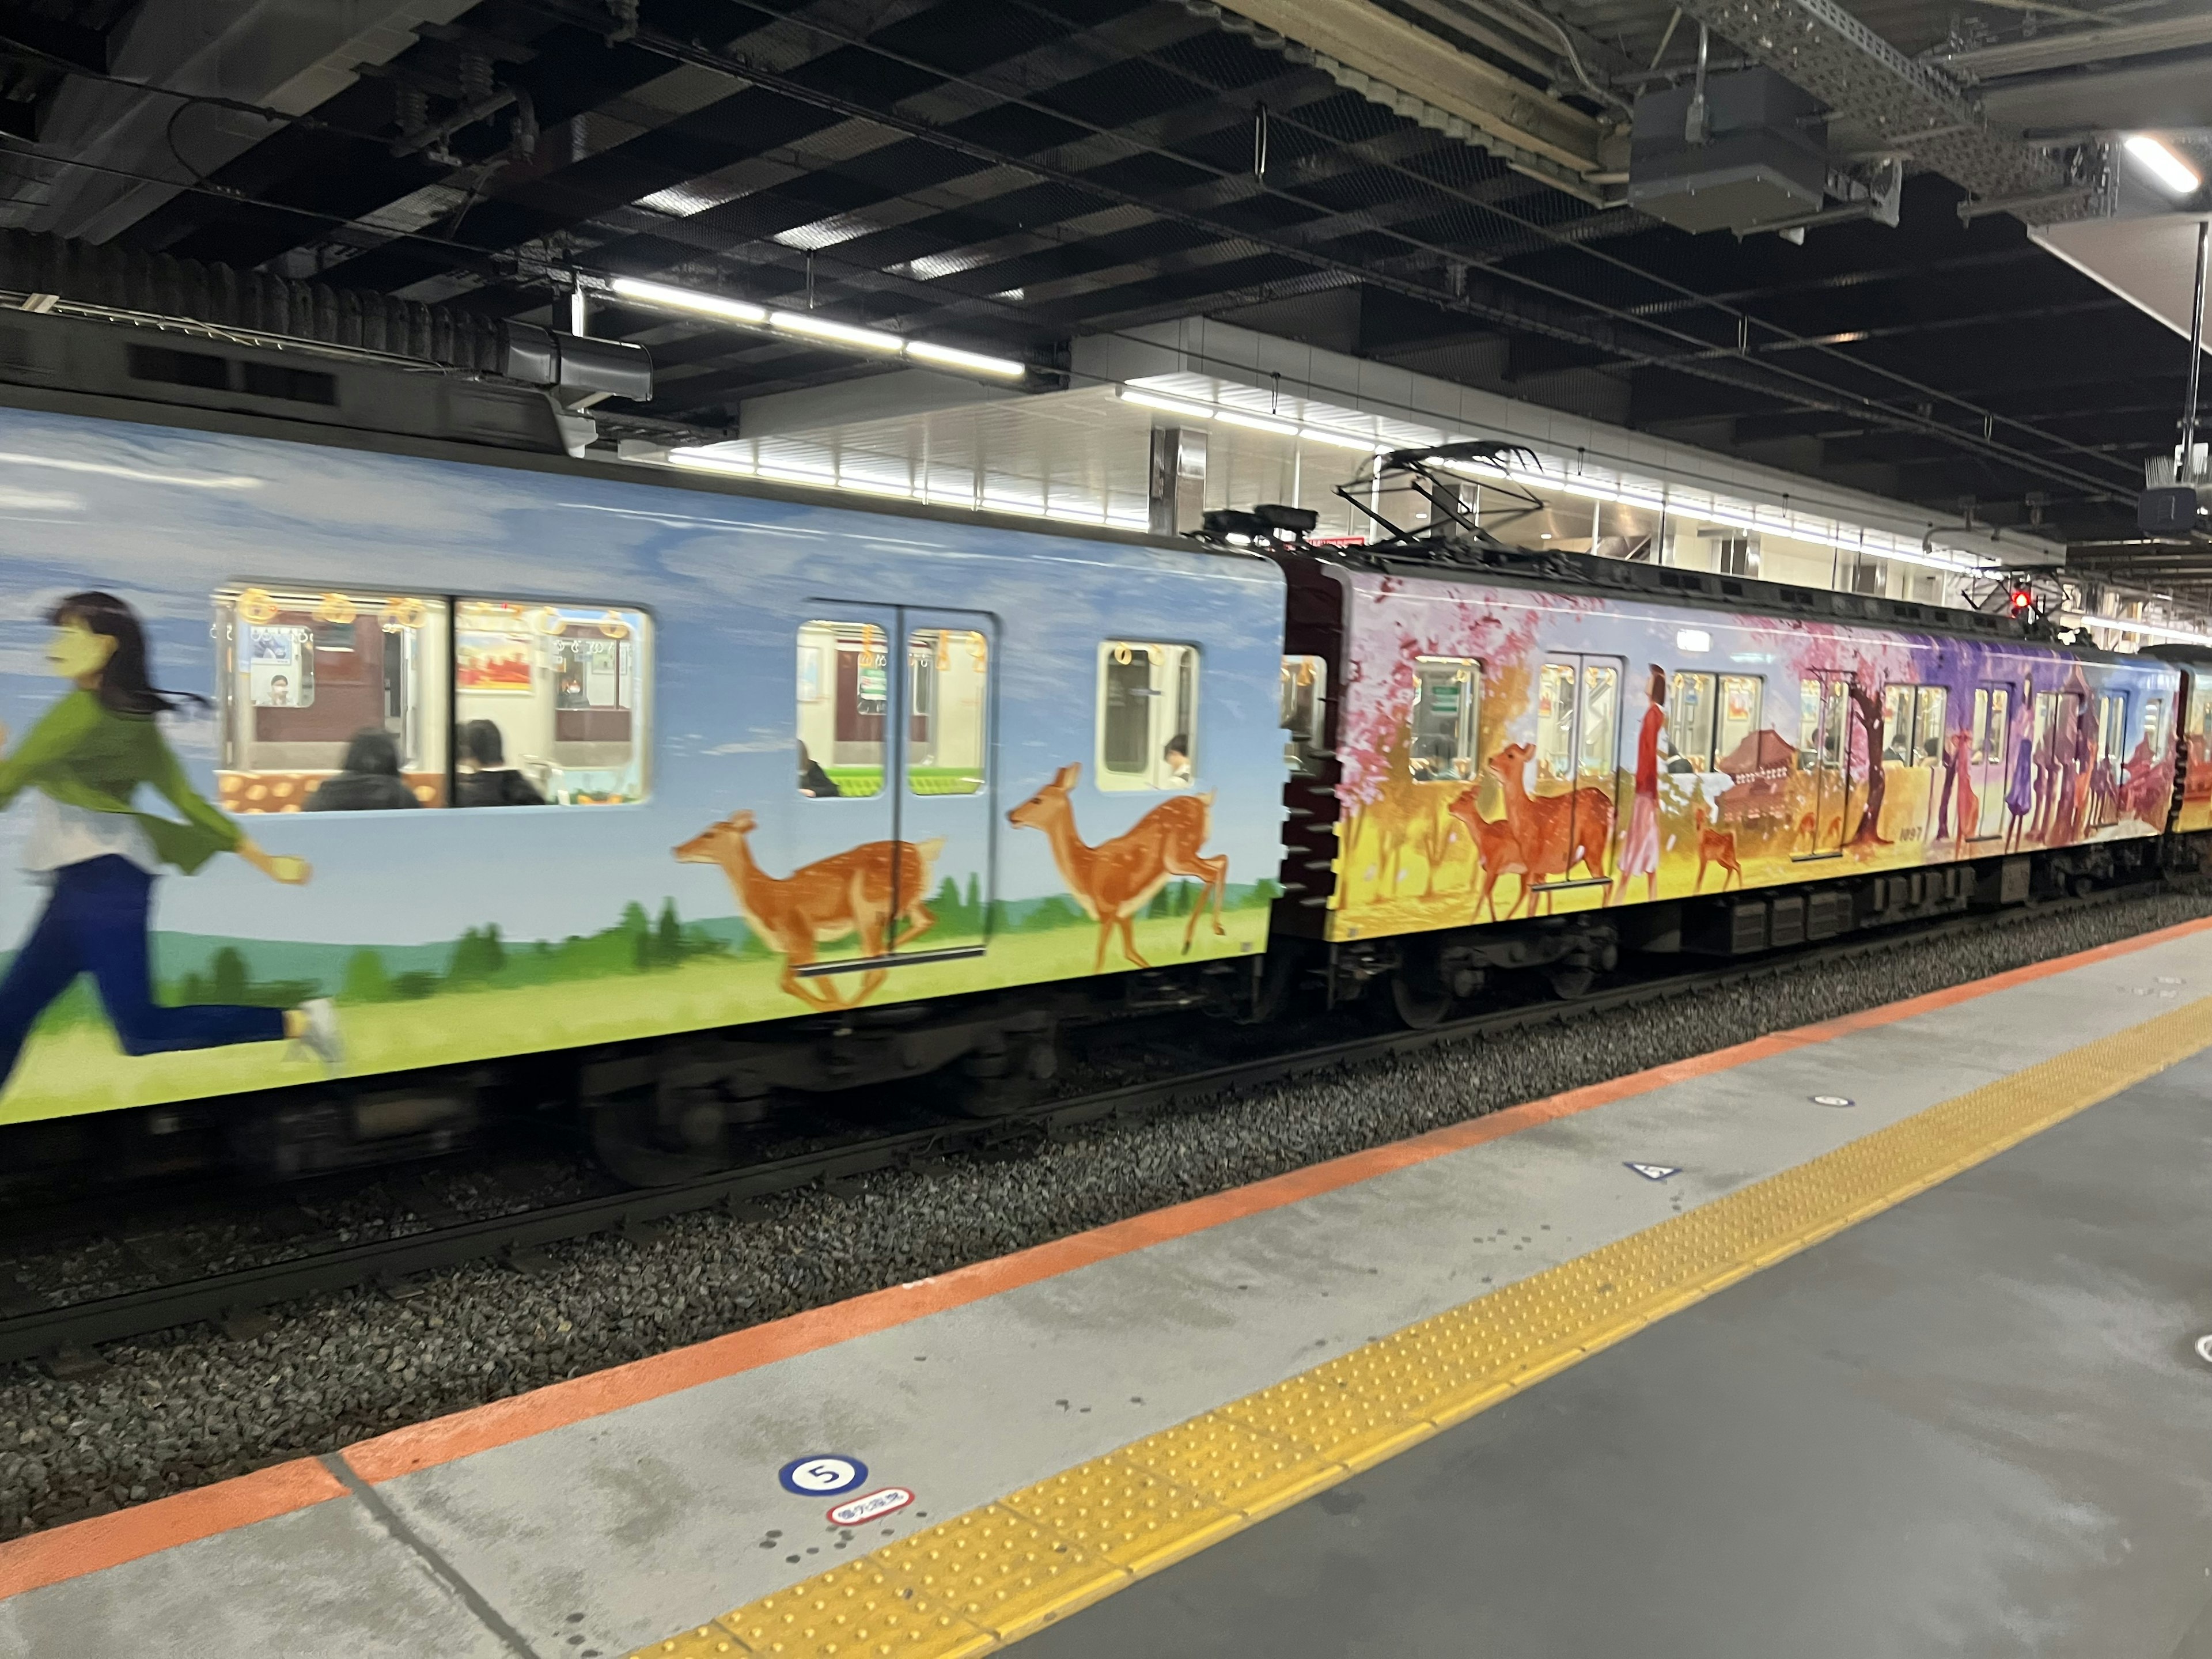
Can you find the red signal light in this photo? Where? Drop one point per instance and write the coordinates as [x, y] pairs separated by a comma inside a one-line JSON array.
[[2022, 598]]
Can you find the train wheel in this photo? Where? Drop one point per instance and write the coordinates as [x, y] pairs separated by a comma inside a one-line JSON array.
[[1570, 984], [629, 1138], [984, 1085], [1417, 990]]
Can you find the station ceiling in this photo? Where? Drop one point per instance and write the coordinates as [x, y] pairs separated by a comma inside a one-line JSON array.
[[1009, 175]]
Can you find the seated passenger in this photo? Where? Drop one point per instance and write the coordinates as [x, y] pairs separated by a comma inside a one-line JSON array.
[[370, 781], [486, 779], [1177, 756], [812, 780]]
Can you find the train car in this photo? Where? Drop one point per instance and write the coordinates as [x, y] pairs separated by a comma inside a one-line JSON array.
[[1535, 762], [829, 786], [2192, 798]]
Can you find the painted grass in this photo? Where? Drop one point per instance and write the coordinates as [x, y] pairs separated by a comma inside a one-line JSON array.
[[80, 1069]]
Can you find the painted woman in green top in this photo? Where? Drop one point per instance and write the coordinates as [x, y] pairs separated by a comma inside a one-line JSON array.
[[85, 763]]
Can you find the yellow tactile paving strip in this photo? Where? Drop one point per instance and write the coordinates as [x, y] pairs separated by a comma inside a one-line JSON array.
[[991, 1576]]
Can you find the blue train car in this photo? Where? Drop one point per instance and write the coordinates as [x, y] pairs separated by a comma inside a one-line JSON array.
[[757, 756]]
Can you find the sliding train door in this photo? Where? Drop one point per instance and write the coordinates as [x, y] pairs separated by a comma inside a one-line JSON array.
[[946, 786]]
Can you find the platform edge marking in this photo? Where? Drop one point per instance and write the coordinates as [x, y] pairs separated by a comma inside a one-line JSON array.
[[1170, 1495]]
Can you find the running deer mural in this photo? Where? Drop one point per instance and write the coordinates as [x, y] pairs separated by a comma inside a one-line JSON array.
[[1495, 847], [1115, 880], [820, 904], [1553, 833]]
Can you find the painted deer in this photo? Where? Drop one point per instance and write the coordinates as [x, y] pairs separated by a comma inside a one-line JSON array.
[[1494, 843], [1116, 879], [1554, 832], [833, 898], [1714, 846]]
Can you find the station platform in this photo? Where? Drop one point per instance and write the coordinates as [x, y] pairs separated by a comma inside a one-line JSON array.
[[1872, 1338]]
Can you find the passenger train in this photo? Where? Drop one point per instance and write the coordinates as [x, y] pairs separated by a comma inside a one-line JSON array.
[[796, 795]]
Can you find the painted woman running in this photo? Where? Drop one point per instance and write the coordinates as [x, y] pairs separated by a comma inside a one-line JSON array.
[[85, 761]]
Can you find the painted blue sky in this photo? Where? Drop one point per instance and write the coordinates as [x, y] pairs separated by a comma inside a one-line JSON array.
[[164, 517]]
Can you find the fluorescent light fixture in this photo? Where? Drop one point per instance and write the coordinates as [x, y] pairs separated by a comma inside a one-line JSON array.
[[1192, 409], [2163, 165], [685, 299], [974, 362], [746, 313], [2140, 629], [821, 328]]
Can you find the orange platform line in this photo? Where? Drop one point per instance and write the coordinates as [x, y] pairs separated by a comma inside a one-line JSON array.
[[109, 1541], [90, 1546]]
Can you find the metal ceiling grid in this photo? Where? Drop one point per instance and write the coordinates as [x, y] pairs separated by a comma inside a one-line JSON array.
[[1017, 174]]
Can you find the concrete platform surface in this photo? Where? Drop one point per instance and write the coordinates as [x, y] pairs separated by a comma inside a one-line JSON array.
[[602, 1514], [1974, 1424]]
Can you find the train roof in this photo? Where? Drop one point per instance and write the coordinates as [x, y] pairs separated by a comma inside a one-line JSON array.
[[1597, 577], [199, 376]]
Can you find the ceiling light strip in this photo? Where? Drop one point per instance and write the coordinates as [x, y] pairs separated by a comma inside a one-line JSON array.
[[810, 325], [706, 460], [1623, 491]]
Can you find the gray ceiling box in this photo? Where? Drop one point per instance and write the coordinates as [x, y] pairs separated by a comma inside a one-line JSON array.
[[1764, 158]]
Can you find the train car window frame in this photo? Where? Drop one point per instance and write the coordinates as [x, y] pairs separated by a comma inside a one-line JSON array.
[[1693, 718], [588, 741], [939, 659], [1455, 762], [1169, 695], [1745, 726], [830, 761], [389, 670], [1304, 710], [1930, 717]]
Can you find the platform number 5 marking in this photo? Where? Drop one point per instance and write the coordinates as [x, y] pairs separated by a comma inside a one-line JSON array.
[[821, 1475]]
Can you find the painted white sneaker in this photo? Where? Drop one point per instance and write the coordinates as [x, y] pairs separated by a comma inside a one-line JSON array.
[[321, 1038]]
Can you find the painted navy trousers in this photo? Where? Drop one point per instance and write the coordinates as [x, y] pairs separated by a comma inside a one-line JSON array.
[[96, 923]]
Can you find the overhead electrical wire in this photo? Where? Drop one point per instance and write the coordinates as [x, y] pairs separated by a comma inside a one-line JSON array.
[[1703, 351], [1703, 361]]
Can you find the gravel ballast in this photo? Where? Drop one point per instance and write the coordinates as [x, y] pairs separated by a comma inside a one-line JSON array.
[[198, 1406]]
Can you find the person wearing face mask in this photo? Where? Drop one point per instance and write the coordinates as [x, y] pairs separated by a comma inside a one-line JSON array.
[[83, 764]]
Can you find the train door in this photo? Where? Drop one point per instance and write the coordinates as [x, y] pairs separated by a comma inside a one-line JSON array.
[[1578, 753], [1825, 751], [848, 747], [947, 785], [1990, 751]]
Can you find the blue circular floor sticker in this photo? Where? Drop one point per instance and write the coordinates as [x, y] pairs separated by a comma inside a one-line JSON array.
[[822, 1476]]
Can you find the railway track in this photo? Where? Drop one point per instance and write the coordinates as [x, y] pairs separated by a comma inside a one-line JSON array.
[[66, 1337]]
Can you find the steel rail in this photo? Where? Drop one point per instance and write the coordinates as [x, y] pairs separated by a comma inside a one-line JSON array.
[[68, 1330]]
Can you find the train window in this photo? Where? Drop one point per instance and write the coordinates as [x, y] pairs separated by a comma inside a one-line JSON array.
[[1555, 723], [948, 709], [2153, 734], [844, 692], [303, 674], [550, 703], [1601, 725], [1305, 707], [1897, 702], [1928, 735], [1447, 698], [2112, 727], [1740, 701], [1147, 714], [1690, 721]]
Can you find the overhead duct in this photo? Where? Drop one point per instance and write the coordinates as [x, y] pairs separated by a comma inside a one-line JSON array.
[[1759, 155], [1908, 110], [1404, 68]]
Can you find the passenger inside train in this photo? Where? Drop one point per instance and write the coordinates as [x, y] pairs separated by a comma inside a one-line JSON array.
[[486, 779], [368, 780]]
